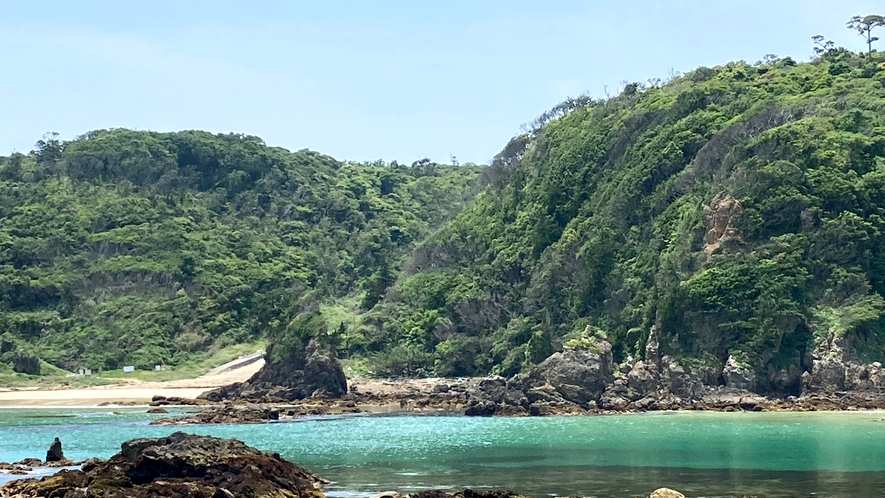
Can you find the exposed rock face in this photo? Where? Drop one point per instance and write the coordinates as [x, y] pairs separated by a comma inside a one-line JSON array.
[[311, 372], [680, 380], [643, 377], [718, 219], [835, 370], [178, 465], [55, 454], [828, 375], [738, 376]]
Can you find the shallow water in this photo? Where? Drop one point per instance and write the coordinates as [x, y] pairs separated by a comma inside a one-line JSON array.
[[701, 454]]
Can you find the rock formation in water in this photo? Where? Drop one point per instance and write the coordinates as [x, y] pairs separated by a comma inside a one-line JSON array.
[[54, 453], [178, 465], [295, 373]]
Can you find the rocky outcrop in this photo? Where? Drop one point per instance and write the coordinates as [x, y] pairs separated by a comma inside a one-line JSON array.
[[835, 369], [288, 376], [737, 375], [579, 375], [568, 381], [251, 414], [54, 453], [467, 493], [178, 465], [719, 218], [159, 400]]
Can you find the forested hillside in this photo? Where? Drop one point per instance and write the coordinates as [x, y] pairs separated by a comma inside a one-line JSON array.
[[125, 247], [735, 211]]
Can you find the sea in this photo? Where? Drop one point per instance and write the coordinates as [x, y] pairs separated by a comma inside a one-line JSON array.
[[701, 454]]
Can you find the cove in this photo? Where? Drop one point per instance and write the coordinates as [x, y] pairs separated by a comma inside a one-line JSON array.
[[834, 454]]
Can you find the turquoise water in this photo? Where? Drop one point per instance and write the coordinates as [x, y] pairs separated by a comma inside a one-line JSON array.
[[701, 454]]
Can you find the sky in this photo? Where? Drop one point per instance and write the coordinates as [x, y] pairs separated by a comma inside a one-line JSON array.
[[360, 80]]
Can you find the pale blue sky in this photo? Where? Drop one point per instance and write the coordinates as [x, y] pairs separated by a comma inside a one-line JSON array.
[[366, 80]]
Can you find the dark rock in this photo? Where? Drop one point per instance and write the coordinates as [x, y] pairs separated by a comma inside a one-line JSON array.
[[251, 414], [55, 454], [643, 378], [6, 344], [64, 462], [158, 410], [580, 375], [612, 401], [178, 465], [91, 463], [544, 394], [480, 408], [490, 389], [26, 364], [305, 373]]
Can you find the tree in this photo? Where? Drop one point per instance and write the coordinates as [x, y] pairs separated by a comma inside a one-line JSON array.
[[865, 26], [48, 149], [820, 46]]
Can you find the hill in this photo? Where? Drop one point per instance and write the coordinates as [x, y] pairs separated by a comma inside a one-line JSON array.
[[735, 212], [137, 248]]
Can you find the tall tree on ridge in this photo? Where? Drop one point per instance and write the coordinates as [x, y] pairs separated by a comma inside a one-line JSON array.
[[865, 26]]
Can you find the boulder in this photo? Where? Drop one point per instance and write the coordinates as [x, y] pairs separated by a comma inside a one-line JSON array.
[[580, 375], [643, 377], [55, 454], [178, 465], [666, 493], [681, 381]]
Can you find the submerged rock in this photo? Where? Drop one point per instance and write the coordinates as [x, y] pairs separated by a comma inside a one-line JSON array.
[[467, 493], [178, 465]]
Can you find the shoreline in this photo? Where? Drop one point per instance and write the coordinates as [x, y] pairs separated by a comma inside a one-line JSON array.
[[60, 398], [447, 396]]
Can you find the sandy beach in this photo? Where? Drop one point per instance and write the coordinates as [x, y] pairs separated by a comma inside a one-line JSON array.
[[129, 391]]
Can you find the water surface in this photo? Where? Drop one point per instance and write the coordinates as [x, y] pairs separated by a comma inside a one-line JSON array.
[[701, 454]]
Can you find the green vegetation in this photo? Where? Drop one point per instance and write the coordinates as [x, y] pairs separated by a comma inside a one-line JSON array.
[[735, 211], [137, 248], [738, 210]]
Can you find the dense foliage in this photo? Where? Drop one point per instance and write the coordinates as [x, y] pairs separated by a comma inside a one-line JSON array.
[[736, 210], [125, 247]]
